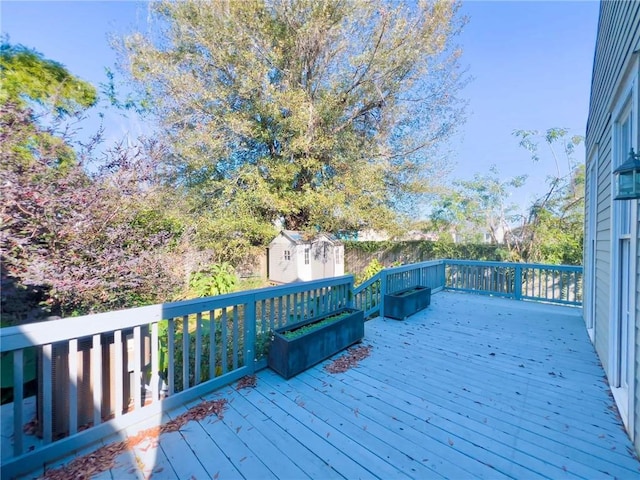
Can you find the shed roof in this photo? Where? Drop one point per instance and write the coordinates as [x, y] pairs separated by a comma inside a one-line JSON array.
[[300, 238]]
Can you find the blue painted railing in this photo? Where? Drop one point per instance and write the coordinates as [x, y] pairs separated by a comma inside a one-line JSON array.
[[369, 296], [560, 284], [521, 281], [100, 374]]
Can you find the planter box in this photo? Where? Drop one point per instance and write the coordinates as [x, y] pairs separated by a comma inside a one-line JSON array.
[[400, 305], [290, 356]]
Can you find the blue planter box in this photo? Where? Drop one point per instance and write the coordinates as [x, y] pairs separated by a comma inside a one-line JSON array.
[[399, 305], [289, 357]]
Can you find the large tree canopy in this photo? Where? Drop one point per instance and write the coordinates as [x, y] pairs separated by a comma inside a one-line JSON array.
[[323, 114]]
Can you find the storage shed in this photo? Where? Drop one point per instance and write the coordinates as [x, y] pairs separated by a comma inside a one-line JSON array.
[[295, 257]]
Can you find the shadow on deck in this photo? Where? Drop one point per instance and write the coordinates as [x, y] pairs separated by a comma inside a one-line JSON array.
[[472, 387]]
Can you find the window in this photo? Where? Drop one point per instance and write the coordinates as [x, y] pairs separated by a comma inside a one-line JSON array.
[[339, 253], [306, 256], [287, 255]]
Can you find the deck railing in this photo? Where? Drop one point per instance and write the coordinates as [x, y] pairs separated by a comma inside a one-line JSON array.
[[521, 281], [369, 296], [99, 374]]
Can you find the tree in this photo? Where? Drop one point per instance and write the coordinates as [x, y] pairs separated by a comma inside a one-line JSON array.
[[551, 231], [554, 229], [322, 114], [474, 207], [74, 240], [28, 77]]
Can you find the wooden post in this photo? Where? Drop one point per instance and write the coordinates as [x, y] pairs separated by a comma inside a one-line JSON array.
[[250, 334], [383, 290]]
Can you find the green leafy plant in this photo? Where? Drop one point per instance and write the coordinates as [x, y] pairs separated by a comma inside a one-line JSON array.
[[372, 269], [216, 280]]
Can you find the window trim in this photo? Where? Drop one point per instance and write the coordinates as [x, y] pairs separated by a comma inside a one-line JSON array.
[[625, 103]]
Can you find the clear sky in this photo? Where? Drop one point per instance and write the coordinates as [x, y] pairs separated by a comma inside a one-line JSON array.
[[530, 62]]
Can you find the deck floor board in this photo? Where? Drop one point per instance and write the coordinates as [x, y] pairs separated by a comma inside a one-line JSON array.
[[472, 387]]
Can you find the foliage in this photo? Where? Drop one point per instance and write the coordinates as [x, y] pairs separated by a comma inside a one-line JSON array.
[[80, 241], [412, 251], [551, 231], [473, 207], [216, 280], [371, 271], [323, 114], [554, 229], [26, 76]]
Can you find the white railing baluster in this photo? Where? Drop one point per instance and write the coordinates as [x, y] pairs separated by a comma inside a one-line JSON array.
[[118, 375], [47, 398], [155, 366], [18, 401], [137, 368], [96, 379], [73, 386]]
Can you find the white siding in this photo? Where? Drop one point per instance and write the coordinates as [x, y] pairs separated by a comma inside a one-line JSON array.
[[280, 269], [637, 351]]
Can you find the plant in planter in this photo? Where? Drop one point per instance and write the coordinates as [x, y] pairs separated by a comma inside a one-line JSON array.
[[296, 347], [399, 305]]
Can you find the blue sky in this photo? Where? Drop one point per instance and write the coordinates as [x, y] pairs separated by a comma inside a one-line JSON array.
[[530, 62]]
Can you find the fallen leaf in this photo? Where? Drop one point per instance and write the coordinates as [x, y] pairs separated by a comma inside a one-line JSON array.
[[103, 458], [349, 359], [248, 381]]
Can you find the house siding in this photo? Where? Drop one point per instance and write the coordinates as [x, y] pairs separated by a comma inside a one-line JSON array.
[[618, 37], [636, 401]]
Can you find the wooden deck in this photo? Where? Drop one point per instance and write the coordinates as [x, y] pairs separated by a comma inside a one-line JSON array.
[[473, 387]]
